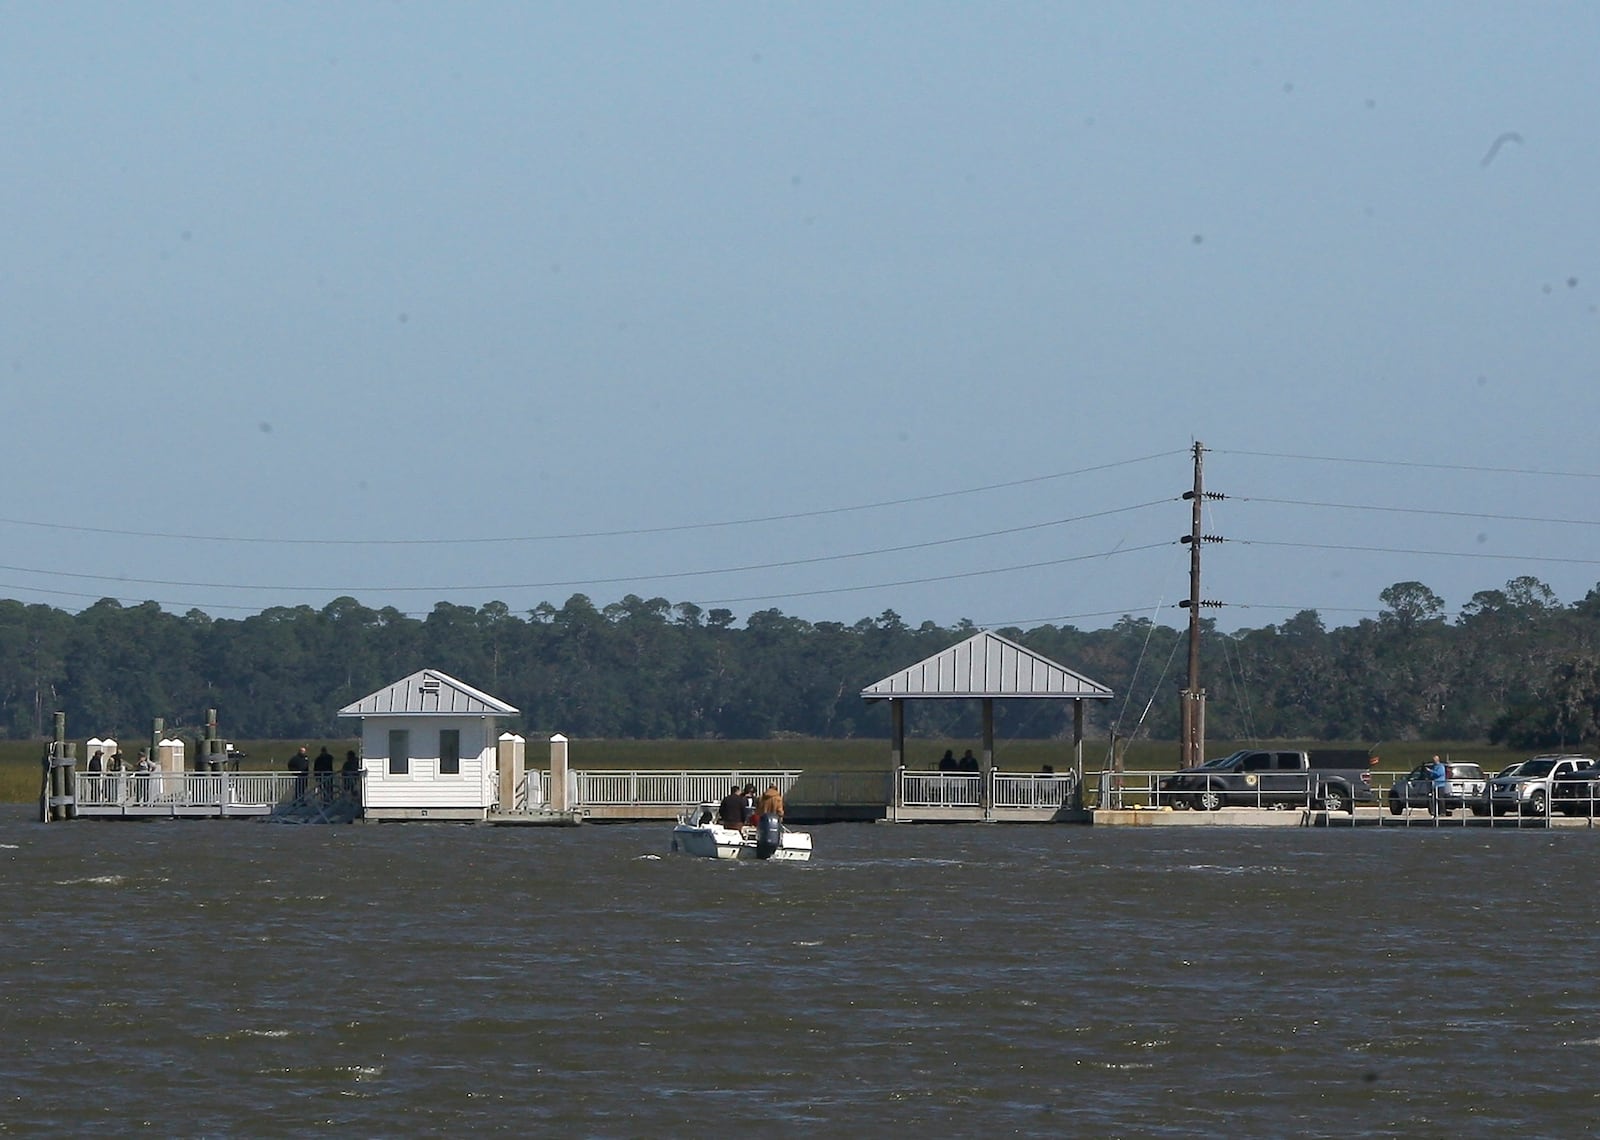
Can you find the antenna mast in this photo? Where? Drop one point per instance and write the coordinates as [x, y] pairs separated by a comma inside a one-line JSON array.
[[1192, 700]]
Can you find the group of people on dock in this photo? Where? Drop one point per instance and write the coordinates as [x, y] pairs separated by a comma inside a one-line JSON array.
[[321, 768], [740, 808], [967, 763], [109, 780]]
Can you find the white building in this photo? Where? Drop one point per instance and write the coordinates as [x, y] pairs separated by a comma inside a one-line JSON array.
[[428, 744]]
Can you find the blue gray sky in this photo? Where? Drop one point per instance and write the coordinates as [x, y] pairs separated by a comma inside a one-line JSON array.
[[832, 308]]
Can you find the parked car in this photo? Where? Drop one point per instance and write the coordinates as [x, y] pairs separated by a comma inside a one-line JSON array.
[[1576, 794], [1464, 787], [1528, 790]]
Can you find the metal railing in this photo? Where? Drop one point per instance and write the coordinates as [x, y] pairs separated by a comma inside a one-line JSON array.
[[261, 790], [1143, 789], [1005, 790], [941, 789], [671, 789]]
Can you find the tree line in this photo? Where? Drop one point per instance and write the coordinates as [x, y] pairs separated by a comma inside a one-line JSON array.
[[1515, 666]]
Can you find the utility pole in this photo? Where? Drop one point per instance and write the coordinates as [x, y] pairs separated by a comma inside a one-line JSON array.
[[1192, 700]]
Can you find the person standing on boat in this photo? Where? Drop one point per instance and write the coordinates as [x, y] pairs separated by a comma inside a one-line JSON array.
[[771, 802], [748, 808], [730, 812]]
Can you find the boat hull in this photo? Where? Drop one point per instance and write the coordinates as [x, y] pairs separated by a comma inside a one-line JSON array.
[[708, 841]]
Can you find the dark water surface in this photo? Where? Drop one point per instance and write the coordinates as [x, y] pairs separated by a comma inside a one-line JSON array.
[[244, 978]]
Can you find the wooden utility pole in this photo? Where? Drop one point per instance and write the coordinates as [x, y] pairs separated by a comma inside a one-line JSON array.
[[1192, 707]]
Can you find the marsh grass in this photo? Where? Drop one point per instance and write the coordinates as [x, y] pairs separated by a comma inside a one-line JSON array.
[[20, 769]]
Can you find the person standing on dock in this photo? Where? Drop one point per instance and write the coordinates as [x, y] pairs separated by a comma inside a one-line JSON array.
[[118, 771], [300, 765], [351, 773], [144, 778], [1441, 782], [96, 779], [323, 767]]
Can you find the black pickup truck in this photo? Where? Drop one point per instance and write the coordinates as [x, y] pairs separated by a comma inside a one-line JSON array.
[[1335, 779]]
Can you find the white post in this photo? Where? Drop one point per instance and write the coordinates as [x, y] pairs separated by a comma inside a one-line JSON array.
[[169, 756], [558, 773], [509, 752]]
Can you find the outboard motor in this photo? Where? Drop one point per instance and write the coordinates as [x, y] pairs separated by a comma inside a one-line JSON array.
[[769, 834]]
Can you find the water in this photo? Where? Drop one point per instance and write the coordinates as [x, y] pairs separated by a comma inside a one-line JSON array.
[[242, 979]]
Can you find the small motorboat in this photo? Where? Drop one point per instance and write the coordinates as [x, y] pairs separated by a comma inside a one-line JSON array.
[[698, 832]]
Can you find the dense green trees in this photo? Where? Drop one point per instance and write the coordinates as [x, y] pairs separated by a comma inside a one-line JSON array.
[[1516, 666]]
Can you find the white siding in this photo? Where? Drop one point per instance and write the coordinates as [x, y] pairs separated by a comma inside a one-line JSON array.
[[423, 786]]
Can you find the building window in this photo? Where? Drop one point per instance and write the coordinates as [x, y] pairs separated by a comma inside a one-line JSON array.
[[449, 752], [399, 751]]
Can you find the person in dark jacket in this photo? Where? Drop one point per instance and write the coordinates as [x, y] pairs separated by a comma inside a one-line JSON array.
[[323, 767], [351, 773], [300, 765], [730, 812]]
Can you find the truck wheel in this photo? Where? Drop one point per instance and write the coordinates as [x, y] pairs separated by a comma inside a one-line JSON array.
[[1334, 798], [1480, 810], [1207, 801], [1538, 804], [1396, 807]]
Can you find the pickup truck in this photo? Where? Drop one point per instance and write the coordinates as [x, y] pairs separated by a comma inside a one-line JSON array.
[[1334, 779], [1532, 788]]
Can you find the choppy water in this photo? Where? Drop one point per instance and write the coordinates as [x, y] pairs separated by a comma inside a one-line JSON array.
[[241, 978]]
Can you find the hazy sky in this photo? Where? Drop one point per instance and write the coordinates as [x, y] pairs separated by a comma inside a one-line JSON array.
[[924, 303]]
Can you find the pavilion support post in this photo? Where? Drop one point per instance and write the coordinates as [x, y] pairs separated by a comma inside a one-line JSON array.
[[897, 755], [986, 797], [1077, 753]]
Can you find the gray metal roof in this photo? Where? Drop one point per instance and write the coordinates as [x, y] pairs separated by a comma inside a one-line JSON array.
[[985, 665], [428, 692]]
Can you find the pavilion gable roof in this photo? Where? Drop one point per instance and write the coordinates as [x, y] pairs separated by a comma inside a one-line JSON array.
[[985, 665], [428, 692]]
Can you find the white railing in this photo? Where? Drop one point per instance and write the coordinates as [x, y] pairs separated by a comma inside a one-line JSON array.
[[1143, 789], [1033, 790], [941, 789], [215, 789], [534, 791], [671, 789], [1006, 790]]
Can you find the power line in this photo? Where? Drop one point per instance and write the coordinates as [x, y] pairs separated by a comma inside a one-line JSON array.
[[941, 577], [710, 602], [1414, 511], [820, 513], [1423, 553], [611, 581], [1410, 463]]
